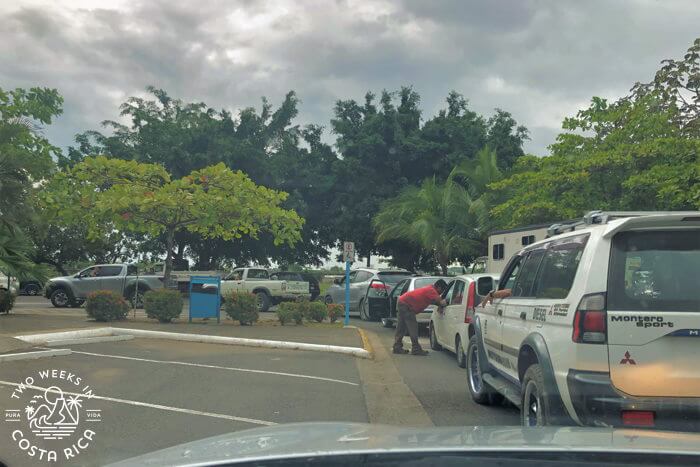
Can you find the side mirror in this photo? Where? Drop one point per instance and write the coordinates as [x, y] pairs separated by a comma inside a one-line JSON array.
[[336, 281], [484, 286]]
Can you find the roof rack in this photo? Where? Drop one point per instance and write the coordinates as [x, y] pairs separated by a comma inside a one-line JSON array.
[[597, 217]]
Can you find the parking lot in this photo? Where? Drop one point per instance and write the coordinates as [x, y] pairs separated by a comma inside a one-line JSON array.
[[157, 393]]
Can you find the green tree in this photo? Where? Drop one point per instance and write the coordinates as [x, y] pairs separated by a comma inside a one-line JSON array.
[[434, 217], [262, 143], [25, 160], [640, 152], [214, 202]]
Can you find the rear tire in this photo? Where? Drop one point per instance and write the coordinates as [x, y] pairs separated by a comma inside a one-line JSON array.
[[461, 358], [135, 300], [60, 298], [479, 389], [32, 289], [328, 299], [534, 405], [433, 338], [264, 301]]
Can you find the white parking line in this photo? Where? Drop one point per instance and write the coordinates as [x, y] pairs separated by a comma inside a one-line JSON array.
[[217, 367], [146, 404]]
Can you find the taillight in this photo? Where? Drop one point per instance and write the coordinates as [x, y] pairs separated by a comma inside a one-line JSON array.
[[380, 288], [471, 302], [590, 320]]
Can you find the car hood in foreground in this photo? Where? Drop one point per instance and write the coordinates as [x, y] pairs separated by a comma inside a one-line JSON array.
[[314, 439]]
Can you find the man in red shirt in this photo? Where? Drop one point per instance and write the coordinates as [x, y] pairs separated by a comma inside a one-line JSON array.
[[410, 304]]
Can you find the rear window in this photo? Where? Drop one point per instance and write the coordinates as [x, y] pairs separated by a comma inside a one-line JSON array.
[[257, 274], [393, 277], [655, 270], [424, 281]]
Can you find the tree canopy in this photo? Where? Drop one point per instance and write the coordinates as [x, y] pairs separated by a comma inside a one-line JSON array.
[[214, 202]]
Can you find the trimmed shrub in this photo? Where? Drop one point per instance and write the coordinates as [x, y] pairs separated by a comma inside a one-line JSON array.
[[163, 304], [316, 311], [335, 311], [105, 305], [7, 301], [286, 312], [242, 307]]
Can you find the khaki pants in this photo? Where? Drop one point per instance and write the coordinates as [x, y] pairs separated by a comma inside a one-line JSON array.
[[406, 323]]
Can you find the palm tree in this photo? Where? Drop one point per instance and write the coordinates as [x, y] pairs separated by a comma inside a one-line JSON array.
[[449, 220], [435, 217]]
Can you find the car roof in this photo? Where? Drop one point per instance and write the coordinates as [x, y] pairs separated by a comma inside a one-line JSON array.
[[475, 276]]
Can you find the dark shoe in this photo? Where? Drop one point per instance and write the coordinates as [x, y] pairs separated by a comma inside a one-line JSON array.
[[400, 351], [419, 352]]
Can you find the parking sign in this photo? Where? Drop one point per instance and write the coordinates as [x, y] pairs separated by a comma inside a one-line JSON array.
[[348, 251]]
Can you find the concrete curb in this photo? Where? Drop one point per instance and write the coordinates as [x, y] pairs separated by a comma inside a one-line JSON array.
[[34, 355], [89, 340], [46, 339]]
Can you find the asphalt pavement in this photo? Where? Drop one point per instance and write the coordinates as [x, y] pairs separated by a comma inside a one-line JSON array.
[[440, 385], [157, 393]]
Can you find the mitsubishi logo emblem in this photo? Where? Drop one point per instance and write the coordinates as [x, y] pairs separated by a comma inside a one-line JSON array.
[[627, 359]]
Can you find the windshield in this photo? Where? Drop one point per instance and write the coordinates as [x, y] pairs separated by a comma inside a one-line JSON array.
[[218, 216]]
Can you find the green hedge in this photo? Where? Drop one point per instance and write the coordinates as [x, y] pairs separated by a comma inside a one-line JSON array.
[[316, 311], [335, 311], [105, 305], [288, 312], [163, 304], [7, 301], [242, 307]]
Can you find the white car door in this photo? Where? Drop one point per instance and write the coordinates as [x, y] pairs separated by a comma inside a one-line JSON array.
[[454, 316], [491, 318], [440, 319]]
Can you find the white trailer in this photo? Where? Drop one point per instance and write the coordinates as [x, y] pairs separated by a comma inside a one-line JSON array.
[[505, 243]]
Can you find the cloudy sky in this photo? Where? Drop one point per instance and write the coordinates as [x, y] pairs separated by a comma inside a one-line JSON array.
[[540, 60]]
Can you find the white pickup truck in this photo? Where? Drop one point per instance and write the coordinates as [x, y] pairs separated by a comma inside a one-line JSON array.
[[269, 292]]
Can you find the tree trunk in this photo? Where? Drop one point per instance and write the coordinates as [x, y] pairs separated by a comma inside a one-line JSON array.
[[369, 256], [443, 266], [169, 242]]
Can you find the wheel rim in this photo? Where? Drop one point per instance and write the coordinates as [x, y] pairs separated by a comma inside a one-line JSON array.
[[460, 352], [32, 291], [532, 405], [433, 339], [61, 299], [475, 380], [260, 300], [329, 300]]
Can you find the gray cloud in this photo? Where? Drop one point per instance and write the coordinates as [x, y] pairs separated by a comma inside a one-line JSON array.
[[539, 60]]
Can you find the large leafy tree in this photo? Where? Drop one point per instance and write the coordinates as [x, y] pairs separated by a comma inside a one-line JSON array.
[[262, 143], [214, 202], [385, 150], [25, 160], [640, 152]]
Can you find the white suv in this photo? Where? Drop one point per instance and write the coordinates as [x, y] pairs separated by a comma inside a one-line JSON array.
[[602, 326]]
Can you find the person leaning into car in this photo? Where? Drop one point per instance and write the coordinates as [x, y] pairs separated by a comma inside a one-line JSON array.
[[410, 304]]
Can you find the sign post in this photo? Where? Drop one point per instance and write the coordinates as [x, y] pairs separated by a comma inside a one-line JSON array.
[[349, 258]]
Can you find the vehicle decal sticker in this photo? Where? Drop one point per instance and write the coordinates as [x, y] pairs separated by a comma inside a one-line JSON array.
[[643, 321], [559, 309], [539, 314], [628, 359], [685, 333]]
